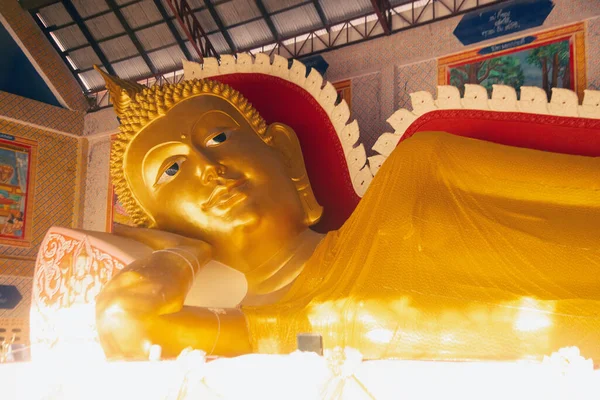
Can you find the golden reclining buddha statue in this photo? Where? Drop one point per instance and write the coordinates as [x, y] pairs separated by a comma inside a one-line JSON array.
[[461, 249]]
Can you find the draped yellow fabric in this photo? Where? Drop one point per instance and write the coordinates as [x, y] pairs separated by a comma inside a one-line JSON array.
[[461, 249]]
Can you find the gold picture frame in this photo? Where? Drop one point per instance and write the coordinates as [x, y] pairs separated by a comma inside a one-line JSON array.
[[559, 54], [18, 160]]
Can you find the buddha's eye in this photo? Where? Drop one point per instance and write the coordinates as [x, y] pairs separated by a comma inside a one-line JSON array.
[[217, 139], [171, 171]]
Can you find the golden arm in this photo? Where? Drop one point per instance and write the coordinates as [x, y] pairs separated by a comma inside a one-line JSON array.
[[143, 306]]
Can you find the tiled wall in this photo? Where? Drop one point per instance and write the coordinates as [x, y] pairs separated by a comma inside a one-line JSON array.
[[408, 60], [96, 183], [19, 22], [56, 191]]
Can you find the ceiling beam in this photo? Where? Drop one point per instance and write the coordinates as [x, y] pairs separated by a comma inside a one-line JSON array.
[[215, 15], [321, 14], [88, 36], [173, 30], [267, 18], [382, 9], [114, 6], [98, 14], [35, 4]]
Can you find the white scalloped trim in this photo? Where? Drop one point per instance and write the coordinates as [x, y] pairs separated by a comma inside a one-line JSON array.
[[322, 91], [504, 99]]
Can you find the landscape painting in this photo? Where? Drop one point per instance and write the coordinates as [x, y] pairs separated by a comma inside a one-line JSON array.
[[16, 186], [549, 60]]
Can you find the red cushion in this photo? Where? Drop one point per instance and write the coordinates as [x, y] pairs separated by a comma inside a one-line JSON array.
[[278, 100], [578, 136]]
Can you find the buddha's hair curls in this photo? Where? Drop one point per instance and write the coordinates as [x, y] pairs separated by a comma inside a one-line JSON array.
[[137, 106]]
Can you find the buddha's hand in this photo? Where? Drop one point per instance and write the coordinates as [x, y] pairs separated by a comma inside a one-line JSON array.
[[143, 304], [149, 287]]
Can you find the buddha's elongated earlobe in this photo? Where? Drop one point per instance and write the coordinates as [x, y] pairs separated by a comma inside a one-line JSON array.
[[283, 138]]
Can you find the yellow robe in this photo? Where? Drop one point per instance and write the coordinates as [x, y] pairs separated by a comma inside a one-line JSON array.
[[461, 249]]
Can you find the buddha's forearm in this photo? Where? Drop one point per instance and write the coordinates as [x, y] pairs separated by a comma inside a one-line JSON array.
[[130, 335], [143, 305], [221, 332]]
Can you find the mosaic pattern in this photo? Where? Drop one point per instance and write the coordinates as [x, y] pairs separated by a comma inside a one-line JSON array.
[[366, 108], [54, 195], [34, 112], [414, 78], [44, 54], [97, 185], [593, 53]]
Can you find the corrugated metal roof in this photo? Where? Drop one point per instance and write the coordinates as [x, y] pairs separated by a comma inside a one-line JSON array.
[[296, 21], [251, 35], [104, 26], [133, 68], [206, 21], [167, 59], [276, 5], [155, 37], [219, 43], [118, 48], [165, 4], [55, 15], [140, 14], [237, 11], [340, 10], [162, 38], [85, 8], [192, 52], [92, 79], [84, 58], [70, 36]]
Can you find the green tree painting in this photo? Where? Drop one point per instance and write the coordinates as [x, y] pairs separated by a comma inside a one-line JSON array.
[[554, 60], [545, 66]]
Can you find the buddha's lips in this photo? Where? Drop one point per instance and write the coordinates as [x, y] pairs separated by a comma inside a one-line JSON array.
[[222, 193]]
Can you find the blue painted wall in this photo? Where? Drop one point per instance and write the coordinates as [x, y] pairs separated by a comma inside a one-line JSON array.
[[18, 76]]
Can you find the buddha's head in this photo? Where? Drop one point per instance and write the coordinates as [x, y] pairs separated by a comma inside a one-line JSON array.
[[196, 159]]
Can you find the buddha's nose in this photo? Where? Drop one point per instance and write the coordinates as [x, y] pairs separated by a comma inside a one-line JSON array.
[[209, 170]]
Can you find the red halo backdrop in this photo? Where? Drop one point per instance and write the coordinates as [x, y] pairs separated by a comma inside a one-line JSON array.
[[278, 100]]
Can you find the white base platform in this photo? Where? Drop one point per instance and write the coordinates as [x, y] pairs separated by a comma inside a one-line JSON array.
[[299, 376]]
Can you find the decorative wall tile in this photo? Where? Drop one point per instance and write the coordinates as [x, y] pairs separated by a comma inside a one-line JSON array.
[[366, 100], [593, 53], [35, 112], [413, 78], [54, 196], [96, 182]]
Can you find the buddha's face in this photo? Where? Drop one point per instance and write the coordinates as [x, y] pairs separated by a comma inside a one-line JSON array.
[[202, 171]]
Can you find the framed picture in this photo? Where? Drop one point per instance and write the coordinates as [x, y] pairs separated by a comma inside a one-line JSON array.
[[551, 59], [116, 213], [344, 91], [18, 158]]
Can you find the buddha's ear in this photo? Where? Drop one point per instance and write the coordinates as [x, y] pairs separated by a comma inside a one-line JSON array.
[[284, 139], [121, 92]]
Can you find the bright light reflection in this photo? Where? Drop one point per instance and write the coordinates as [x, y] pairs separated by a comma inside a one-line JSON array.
[[532, 316]]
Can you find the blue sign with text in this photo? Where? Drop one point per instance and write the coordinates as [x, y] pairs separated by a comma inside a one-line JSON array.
[[502, 19], [9, 297], [507, 45]]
